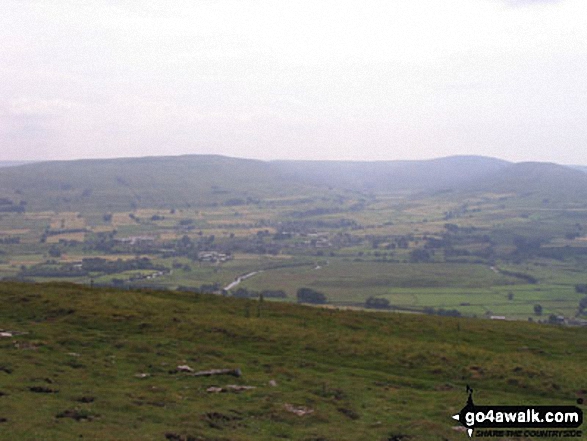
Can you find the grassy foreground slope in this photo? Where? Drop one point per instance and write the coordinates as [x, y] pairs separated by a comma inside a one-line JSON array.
[[101, 364]]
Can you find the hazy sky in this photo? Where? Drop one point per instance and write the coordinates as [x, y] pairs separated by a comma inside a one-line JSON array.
[[368, 80]]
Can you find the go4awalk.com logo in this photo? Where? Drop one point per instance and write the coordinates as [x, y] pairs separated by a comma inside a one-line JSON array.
[[520, 421]]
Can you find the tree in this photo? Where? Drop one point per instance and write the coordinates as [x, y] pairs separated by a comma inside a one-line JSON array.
[[242, 293], [308, 295], [526, 245], [276, 294], [185, 242], [538, 309], [54, 252], [554, 320], [582, 305], [376, 303], [117, 282], [419, 255]]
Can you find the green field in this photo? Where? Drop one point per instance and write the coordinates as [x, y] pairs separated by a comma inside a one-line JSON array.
[[348, 261]]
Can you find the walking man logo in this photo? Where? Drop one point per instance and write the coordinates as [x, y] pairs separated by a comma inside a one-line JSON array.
[[553, 421], [469, 407]]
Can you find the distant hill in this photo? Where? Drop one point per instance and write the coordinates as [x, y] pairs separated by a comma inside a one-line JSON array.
[[545, 180], [14, 163], [200, 180], [385, 176], [123, 184], [582, 168]]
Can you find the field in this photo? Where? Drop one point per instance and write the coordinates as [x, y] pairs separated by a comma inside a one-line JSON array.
[[486, 255], [103, 364]]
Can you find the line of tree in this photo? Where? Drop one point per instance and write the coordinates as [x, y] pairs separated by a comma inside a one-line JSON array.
[[443, 312], [244, 293], [11, 240], [12, 209], [377, 303], [528, 278], [96, 264], [52, 271]]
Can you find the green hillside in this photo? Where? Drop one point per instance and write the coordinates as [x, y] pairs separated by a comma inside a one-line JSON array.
[[103, 364]]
